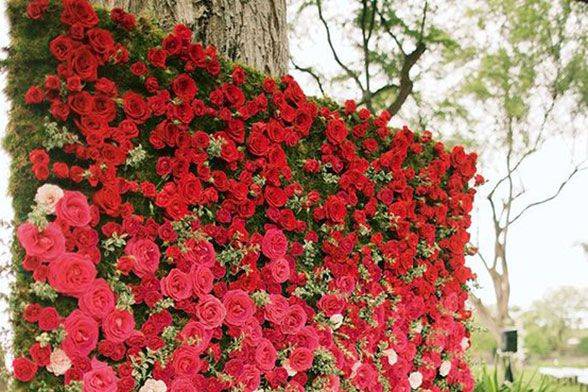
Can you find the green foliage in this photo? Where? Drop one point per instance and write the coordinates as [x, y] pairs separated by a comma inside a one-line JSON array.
[[583, 346], [489, 381]]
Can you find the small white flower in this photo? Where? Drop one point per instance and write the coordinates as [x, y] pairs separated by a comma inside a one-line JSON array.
[[152, 385], [59, 362], [356, 366], [291, 372], [415, 379], [391, 355], [465, 343], [47, 197], [336, 320], [418, 328], [445, 368]]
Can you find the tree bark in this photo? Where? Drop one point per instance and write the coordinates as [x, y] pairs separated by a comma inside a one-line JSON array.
[[250, 31]]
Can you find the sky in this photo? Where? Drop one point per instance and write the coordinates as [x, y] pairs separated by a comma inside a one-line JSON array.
[[544, 246]]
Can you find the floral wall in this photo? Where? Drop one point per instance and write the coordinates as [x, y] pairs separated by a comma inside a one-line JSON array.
[[188, 224]]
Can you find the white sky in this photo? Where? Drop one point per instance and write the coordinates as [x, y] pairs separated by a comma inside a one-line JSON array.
[[543, 247]]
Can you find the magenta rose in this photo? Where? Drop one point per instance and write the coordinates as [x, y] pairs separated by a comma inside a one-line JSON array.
[[201, 253], [210, 311], [202, 280], [81, 334], [98, 300], [276, 308], [186, 361], [265, 355], [239, 306], [48, 244], [73, 209], [274, 244], [146, 254], [196, 334], [301, 359], [118, 325], [101, 378], [72, 274], [177, 285]]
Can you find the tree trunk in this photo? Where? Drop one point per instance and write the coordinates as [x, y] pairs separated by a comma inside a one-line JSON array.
[[251, 31]]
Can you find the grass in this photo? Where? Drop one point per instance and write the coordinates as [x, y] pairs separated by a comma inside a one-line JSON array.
[[528, 380]]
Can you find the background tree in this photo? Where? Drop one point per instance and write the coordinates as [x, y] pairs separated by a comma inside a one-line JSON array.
[[510, 75], [252, 31]]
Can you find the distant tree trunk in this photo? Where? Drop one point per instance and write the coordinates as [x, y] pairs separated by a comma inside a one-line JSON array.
[[251, 31]]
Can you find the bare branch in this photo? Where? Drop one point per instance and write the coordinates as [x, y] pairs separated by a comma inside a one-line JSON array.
[[423, 20], [389, 31], [576, 170], [406, 84], [311, 72], [347, 70]]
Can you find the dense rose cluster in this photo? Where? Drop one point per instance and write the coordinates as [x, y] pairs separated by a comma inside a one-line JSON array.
[[234, 234]]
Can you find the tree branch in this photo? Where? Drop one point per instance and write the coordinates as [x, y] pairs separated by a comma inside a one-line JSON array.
[[312, 73], [576, 170], [347, 70], [406, 84]]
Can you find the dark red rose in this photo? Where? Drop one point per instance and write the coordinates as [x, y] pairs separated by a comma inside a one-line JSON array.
[[34, 95], [101, 41], [79, 11], [24, 369], [335, 209], [82, 62]]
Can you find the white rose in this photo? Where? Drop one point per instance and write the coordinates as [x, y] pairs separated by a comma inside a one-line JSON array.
[[152, 385], [59, 362], [465, 343], [47, 197], [336, 320], [291, 372], [415, 379], [391, 355], [445, 368]]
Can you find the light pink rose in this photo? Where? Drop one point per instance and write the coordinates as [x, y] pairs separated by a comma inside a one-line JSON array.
[[47, 197]]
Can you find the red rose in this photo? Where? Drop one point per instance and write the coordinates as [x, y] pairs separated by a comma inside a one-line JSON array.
[[301, 359], [40, 354], [71, 274], [109, 200], [98, 300], [265, 355], [73, 209], [184, 87], [34, 95], [49, 319], [157, 57], [335, 209], [81, 334], [274, 244], [79, 11], [82, 62], [24, 369], [197, 334], [101, 41], [146, 254], [210, 312], [177, 285], [135, 106], [200, 253], [293, 320], [118, 325], [101, 378], [336, 131], [239, 306], [60, 47], [331, 304], [35, 10], [275, 197], [258, 144], [48, 244]]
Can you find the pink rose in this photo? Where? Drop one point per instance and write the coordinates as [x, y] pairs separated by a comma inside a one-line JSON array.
[[239, 306], [73, 209], [210, 311], [202, 280], [301, 359], [294, 319], [280, 270], [331, 304], [71, 274], [146, 254], [265, 355], [196, 334], [101, 378], [48, 244], [274, 244], [200, 253], [177, 285], [81, 334], [276, 308], [118, 325], [182, 384], [98, 300], [250, 378], [186, 361]]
